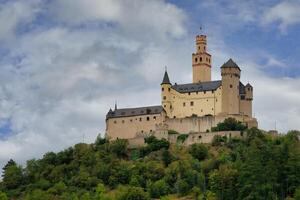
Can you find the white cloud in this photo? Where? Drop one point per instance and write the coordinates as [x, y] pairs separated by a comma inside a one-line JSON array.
[[13, 13], [57, 82], [156, 16], [286, 13]]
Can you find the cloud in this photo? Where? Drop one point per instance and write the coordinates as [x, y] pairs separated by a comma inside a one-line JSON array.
[[155, 16], [286, 13], [59, 78], [13, 13]]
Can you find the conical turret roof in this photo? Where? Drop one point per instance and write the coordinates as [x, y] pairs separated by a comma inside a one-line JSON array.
[[166, 79], [230, 63]]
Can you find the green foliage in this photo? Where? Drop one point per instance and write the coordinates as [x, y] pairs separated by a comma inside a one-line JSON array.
[[182, 137], [253, 167], [3, 196], [219, 140], [158, 189], [131, 193], [172, 132], [119, 147], [229, 124], [198, 151], [154, 144]]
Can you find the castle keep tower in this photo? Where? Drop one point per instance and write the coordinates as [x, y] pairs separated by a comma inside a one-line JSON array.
[[201, 61], [231, 74]]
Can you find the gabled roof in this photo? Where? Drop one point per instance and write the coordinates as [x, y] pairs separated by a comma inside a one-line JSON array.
[[166, 79], [129, 112], [230, 63], [197, 87]]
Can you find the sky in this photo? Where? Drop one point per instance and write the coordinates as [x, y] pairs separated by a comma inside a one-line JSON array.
[[63, 64]]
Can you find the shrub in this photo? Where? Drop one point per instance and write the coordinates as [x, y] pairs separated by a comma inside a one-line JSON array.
[[131, 193], [229, 124], [119, 147], [182, 137], [172, 132], [198, 151], [158, 189], [218, 140]]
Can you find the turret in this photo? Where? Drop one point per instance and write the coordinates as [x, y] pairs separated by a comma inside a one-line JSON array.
[[166, 93], [249, 92], [231, 73], [201, 61]]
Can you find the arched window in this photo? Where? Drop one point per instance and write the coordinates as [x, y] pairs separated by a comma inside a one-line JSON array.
[[200, 59]]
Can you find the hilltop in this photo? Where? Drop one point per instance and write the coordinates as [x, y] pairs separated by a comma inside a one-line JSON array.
[[257, 166]]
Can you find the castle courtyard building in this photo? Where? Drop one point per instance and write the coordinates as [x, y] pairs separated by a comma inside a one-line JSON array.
[[189, 108]]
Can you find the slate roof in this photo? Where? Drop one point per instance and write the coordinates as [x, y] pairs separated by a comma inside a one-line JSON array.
[[166, 79], [197, 87], [129, 112], [230, 63], [242, 88]]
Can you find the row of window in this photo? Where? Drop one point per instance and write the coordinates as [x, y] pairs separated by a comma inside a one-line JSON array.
[[200, 60], [137, 119]]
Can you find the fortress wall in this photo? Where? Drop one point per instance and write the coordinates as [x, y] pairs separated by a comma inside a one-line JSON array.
[[208, 137], [136, 142], [130, 127]]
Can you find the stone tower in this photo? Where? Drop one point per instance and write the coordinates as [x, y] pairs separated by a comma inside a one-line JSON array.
[[201, 61], [166, 93], [231, 73]]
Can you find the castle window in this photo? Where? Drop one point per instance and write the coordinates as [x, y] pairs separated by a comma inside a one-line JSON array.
[[150, 131], [165, 106], [196, 92], [130, 120], [162, 89], [230, 86], [204, 92], [243, 97], [196, 59], [248, 89], [212, 109], [115, 122], [216, 100], [154, 117], [123, 121], [169, 89], [206, 59], [140, 119], [192, 103], [142, 131], [200, 137], [170, 106], [200, 59], [165, 97], [148, 118], [189, 93], [183, 104], [212, 92], [201, 110]]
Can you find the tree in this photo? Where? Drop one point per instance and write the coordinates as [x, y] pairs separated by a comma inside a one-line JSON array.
[[158, 189], [131, 193], [229, 124], [119, 147], [3, 196], [166, 157], [12, 175], [198, 151]]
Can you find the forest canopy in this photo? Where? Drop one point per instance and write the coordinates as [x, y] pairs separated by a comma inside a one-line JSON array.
[[257, 166]]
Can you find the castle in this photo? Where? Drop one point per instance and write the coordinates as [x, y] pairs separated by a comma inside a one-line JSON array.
[[188, 108]]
